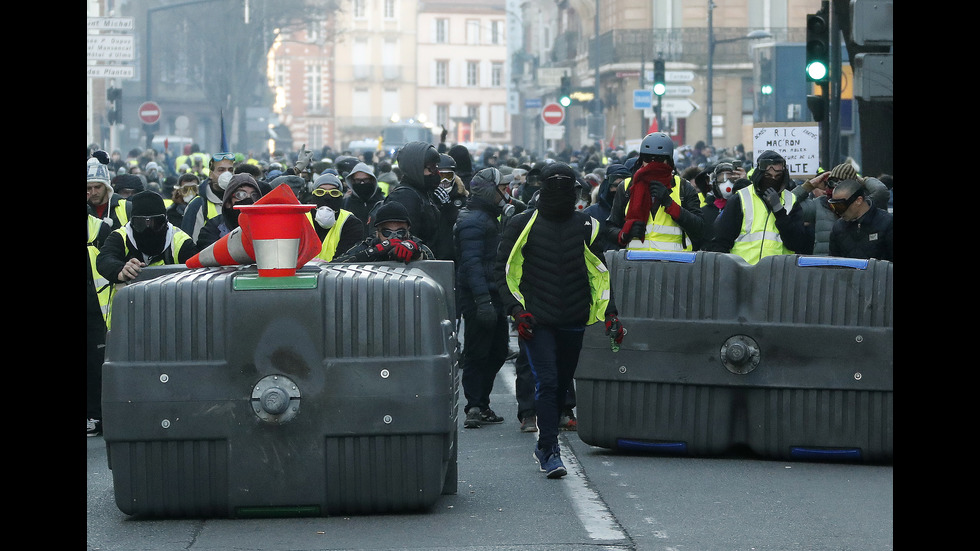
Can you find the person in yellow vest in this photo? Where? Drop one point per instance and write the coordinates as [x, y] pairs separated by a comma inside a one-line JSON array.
[[337, 228], [764, 218], [97, 308], [392, 239], [242, 189], [207, 204], [655, 209], [553, 283], [102, 201], [147, 240]]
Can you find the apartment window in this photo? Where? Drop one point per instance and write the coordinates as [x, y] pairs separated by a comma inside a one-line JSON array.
[[442, 72], [313, 31], [312, 87], [314, 136], [360, 10], [496, 32], [472, 31], [280, 74], [442, 31], [497, 74], [472, 73], [442, 114], [360, 57], [361, 103], [390, 102], [389, 9]]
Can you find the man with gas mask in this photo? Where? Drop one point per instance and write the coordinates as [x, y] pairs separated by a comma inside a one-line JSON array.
[[241, 189], [337, 228], [552, 281], [419, 162], [721, 187], [486, 334], [207, 204], [764, 218], [148, 239], [655, 209]]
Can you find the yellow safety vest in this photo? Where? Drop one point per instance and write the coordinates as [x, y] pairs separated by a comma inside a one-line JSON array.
[[662, 232], [383, 186], [598, 274], [102, 287], [329, 248], [178, 241], [759, 237]]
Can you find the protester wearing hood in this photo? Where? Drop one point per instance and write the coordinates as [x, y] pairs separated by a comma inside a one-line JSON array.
[[764, 218], [721, 186], [101, 200], [387, 179], [655, 209], [337, 228], [419, 162], [242, 190], [614, 177], [207, 204], [365, 193], [486, 333], [464, 163]]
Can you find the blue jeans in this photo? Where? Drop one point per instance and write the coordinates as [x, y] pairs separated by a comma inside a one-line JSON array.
[[553, 354]]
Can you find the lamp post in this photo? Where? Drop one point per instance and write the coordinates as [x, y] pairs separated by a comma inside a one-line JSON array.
[[711, 59]]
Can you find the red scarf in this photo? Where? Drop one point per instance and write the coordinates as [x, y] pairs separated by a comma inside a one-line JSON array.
[[641, 203]]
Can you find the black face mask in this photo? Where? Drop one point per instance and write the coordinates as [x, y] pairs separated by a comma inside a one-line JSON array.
[[431, 181], [364, 191], [556, 204], [335, 203], [151, 242], [231, 214]]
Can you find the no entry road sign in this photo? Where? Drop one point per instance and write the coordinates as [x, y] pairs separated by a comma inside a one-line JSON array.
[[553, 113], [149, 112]]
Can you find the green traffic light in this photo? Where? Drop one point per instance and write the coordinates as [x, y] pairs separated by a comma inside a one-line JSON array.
[[816, 71], [767, 89], [565, 101], [659, 88]]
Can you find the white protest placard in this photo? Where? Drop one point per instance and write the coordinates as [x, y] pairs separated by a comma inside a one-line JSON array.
[[797, 142]]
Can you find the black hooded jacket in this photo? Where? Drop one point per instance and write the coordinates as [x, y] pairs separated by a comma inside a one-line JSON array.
[[419, 199], [464, 163]]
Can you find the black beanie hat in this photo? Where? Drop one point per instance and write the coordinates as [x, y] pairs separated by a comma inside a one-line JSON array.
[[148, 203], [560, 172], [393, 211], [127, 181]]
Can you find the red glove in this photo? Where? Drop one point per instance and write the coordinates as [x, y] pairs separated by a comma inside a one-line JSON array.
[[632, 229], [525, 323], [383, 247], [405, 250], [614, 328]]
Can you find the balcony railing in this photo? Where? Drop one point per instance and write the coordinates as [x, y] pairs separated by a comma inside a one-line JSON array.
[[677, 45]]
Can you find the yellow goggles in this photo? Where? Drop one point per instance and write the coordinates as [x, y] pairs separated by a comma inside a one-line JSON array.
[[320, 192]]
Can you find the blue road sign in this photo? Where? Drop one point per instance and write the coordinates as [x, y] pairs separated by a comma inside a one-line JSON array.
[[532, 103], [642, 99]]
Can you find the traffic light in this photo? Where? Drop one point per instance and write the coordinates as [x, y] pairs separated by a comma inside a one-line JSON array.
[[565, 93], [114, 112], [817, 47], [659, 85], [817, 104]]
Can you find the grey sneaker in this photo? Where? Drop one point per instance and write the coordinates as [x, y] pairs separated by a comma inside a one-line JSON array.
[[529, 424], [473, 417]]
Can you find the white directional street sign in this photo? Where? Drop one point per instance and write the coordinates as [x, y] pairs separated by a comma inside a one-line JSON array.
[[679, 90], [111, 47], [554, 132], [679, 108], [678, 76], [111, 71], [111, 23]]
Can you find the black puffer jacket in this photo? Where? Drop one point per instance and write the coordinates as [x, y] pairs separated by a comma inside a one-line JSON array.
[[555, 280], [476, 235]]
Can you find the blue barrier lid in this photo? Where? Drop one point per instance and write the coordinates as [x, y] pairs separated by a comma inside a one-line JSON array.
[[857, 263], [661, 255]]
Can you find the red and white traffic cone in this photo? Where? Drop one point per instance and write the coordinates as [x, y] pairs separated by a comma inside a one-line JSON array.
[[227, 251]]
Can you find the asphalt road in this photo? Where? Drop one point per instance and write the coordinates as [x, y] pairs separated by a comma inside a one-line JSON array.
[[609, 501]]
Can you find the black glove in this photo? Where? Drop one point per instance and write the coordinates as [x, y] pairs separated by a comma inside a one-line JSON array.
[[442, 136], [441, 194], [383, 247], [486, 315], [614, 328], [525, 323], [660, 192], [632, 229], [405, 250], [771, 197]]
